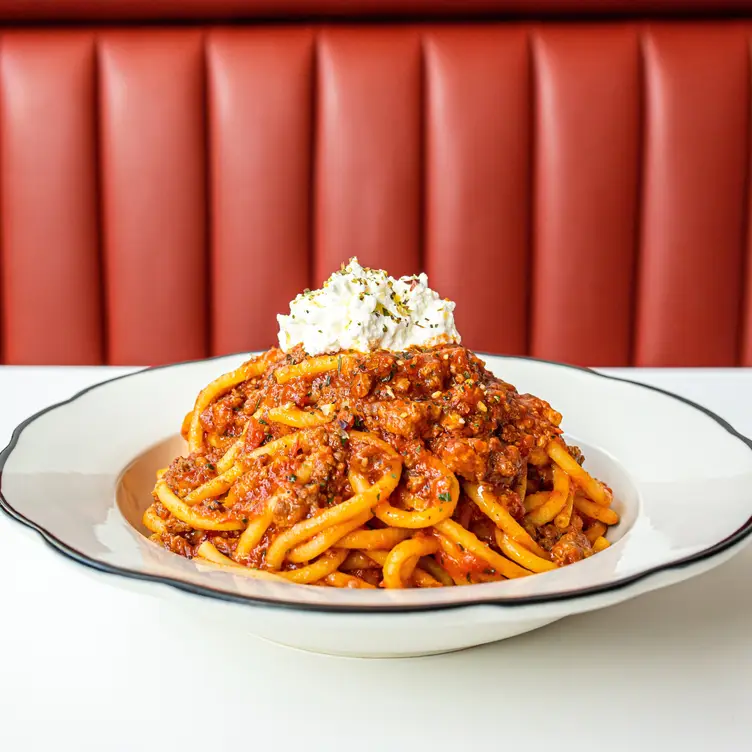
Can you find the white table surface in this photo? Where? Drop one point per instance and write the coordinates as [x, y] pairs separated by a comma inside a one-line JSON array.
[[86, 665]]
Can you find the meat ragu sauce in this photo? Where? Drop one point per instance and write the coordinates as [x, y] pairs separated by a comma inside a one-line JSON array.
[[427, 403]]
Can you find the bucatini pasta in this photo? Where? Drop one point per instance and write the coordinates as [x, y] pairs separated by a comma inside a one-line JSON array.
[[395, 469]]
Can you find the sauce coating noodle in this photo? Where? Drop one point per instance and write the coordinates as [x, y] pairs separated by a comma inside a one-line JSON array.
[[382, 469]]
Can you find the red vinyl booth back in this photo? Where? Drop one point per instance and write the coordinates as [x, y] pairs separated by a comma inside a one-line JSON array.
[[580, 188]]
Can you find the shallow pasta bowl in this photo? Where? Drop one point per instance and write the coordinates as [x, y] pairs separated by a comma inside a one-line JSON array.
[[81, 472]]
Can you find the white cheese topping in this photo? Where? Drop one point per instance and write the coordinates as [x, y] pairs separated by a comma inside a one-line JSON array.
[[366, 309]]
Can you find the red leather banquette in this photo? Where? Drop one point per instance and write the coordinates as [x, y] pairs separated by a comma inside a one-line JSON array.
[[172, 173]]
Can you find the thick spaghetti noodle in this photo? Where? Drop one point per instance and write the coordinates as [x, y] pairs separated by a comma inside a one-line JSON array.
[[410, 469]]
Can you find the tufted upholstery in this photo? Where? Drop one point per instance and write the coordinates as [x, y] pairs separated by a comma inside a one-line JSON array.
[[580, 189]]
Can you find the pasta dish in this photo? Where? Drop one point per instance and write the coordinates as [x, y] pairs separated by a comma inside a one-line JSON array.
[[367, 466]]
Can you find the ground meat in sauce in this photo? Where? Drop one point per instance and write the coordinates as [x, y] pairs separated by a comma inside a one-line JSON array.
[[569, 548], [425, 402]]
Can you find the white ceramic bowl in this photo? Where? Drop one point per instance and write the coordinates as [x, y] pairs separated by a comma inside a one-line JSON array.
[[80, 473]]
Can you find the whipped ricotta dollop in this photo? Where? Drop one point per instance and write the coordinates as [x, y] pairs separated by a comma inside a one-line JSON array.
[[365, 309]]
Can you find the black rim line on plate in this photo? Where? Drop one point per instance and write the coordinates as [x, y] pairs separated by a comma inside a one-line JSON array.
[[72, 553]]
